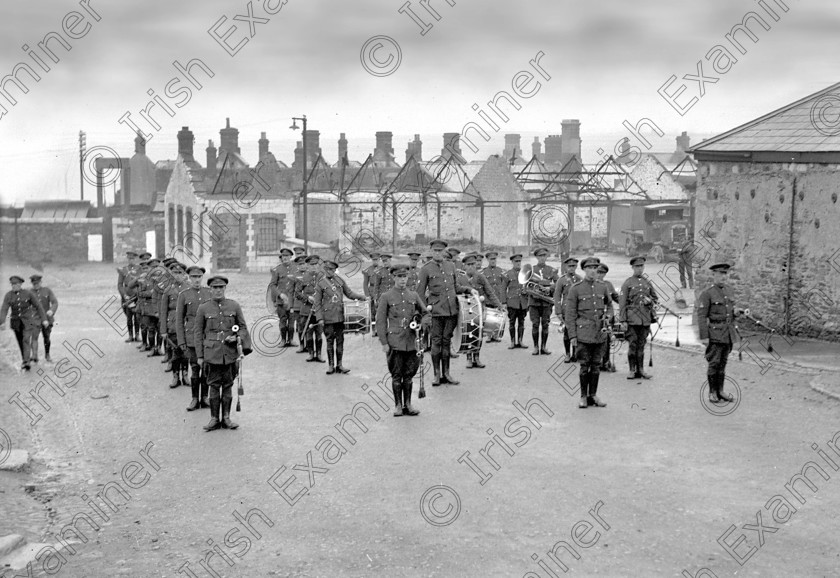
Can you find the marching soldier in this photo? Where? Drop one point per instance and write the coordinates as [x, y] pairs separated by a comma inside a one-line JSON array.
[[438, 287], [330, 291], [606, 365], [282, 281], [50, 305], [637, 303], [716, 314], [298, 302], [517, 304], [494, 275], [565, 283], [587, 309], [479, 282], [216, 348], [539, 310], [312, 335], [413, 270], [168, 325], [383, 280], [397, 308], [185, 311], [26, 316], [128, 297]]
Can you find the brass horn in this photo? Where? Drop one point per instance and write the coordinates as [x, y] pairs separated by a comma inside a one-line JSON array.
[[532, 288]]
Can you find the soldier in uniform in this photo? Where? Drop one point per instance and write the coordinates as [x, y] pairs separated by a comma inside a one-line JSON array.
[[383, 281], [684, 264], [312, 336], [185, 310], [487, 295], [716, 314], [494, 275], [216, 348], [517, 304], [539, 310], [397, 308], [50, 305], [152, 290], [168, 325], [298, 301], [438, 287], [565, 283], [368, 276], [606, 365], [587, 309], [135, 283], [299, 252], [282, 280], [27, 315], [128, 296], [330, 291], [636, 312], [453, 255], [413, 270]]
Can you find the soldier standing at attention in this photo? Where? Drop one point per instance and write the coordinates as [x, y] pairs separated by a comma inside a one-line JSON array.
[[312, 335], [565, 283], [382, 280], [636, 312], [136, 284], [50, 305], [517, 304], [330, 291], [494, 275], [438, 287], [282, 281], [368, 275], [716, 314], [26, 316], [397, 308], [298, 303], [606, 365], [168, 325], [185, 311], [413, 270], [479, 282], [588, 307], [128, 296], [539, 310], [216, 348]]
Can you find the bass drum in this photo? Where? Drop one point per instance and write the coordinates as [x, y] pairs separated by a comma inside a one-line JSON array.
[[357, 316], [270, 295], [470, 329], [495, 323]]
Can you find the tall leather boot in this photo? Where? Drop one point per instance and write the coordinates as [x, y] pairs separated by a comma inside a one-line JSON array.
[[640, 367], [543, 350], [227, 401], [406, 391], [535, 337], [520, 332], [436, 370], [339, 356], [195, 384], [477, 360], [176, 376], [205, 390], [396, 386], [319, 342], [214, 415], [470, 358], [713, 388], [724, 397], [446, 376], [593, 390], [631, 360], [144, 340], [330, 359], [584, 391], [512, 332]]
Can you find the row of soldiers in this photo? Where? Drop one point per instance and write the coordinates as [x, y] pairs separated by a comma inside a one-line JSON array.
[[31, 314]]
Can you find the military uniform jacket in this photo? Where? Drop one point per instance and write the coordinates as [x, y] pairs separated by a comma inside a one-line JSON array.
[[48, 301], [585, 305], [494, 276], [124, 276], [214, 322], [296, 295], [185, 310], [413, 278], [394, 313], [169, 307], [511, 290], [632, 309], [329, 299], [26, 309], [306, 289], [716, 315], [285, 286], [480, 283], [562, 289], [439, 285], [549, 279], [368, 279], [142, 287], [282, 271], [384, 282]]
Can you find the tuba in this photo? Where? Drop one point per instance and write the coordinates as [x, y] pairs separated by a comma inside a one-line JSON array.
[[532, 288]]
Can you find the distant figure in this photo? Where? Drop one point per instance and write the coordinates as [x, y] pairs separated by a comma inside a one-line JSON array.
[[50, 305], [26, 315]]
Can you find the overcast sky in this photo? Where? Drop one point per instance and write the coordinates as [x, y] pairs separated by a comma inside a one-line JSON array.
[[606, 60]]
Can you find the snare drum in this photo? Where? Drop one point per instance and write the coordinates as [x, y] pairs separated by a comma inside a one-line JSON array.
[[357, 316], [495, 323], [470, 328]]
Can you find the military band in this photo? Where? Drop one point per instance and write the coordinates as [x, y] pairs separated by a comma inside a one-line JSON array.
[[487, 295], [493, 274], [330, 291], [539, 310]]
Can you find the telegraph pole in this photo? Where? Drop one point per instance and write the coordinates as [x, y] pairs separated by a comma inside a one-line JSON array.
[[82, 147]]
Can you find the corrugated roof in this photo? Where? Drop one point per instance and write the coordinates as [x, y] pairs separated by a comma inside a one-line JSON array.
[[58, 209], [811, 124]]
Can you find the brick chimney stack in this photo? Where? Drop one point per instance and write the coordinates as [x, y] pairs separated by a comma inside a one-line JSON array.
[[263, 144], [140, 144], [513, 147], [536, 148], [211, 156], [384, 146], [683, 142], [415, 149], [452, 147], [553, 149], [570, 137], [229, 138], [185, 143], [313, 147], [342, 147]]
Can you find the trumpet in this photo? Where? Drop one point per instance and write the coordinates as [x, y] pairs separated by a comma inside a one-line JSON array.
[[532, 288]]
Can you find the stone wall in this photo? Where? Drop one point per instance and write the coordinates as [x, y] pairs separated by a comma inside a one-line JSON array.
[[130, 230], [63, 241], [744, 217]]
